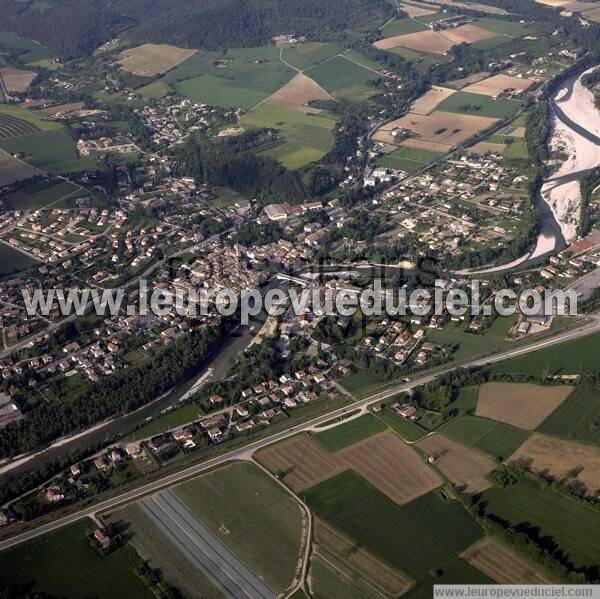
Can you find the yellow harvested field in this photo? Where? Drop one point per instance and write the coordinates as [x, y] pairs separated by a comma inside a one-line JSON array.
[[13, 170], [338, 549], [390, 465], [299, 462], [483, 147], [468, 34], [16, 80], [501, 564], [149, 60], [429, 101], [474, 78], [560, 459], [553, 3], [421, 41], [413, 10], [593, 15], [426, 145], [465, 467], [495, 85], [439, 127], [521, 404], [298, 92], [518, 132]]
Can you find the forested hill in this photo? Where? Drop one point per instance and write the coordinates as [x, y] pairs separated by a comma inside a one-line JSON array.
[[75, 27]]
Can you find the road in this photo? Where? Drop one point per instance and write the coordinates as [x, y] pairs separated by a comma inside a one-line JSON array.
[[203, 549], [246, 451]]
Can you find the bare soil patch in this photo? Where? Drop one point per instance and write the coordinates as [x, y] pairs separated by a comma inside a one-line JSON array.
[[567, 461], [439, 127], [16, 80], [149, 60], [421, 41], [390, 465], [13, 170], [465, 467], [483, 147], [502, 565], [299, 462], [299, 92], [426, 145], [495, 85], [345, 555], [521, 404], [429, 101], [468, 34], [553, 2]]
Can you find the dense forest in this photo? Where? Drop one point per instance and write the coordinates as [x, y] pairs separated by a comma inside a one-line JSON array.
[[74, 28]]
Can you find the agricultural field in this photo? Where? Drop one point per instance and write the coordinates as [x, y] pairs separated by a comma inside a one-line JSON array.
[[494, 438], [391, 466], [442, 130], [355, 562], [402, 27], [573, 462], [13, 170], [304, 56], [299, 462], [40, 195], [418, 10], [12, 261], [305, 137], [413, 538], [153, 546], [38, 567], [16, 80], [406, 428], [465, 81], [149, 60], [463, 102], [252, 515], [408, 159], [430, 100], [523, 405], [155, 90], [349, 433], [298, 93], [577, 418], [502, 27], [574, 527], [344, 78], [15, 121], [30, 51], [576, 357], [465, 467], [503, 565], [496, 84]]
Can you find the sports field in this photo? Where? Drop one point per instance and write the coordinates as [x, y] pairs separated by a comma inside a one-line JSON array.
[[578, 417], [465, 467], [253, 515], [64, 564], [413, 538], [503, 565], [574, 527], [494, 438], [305, 137], [574, 357], [477, 104], [523, 405], [408, 159], [343, 78], [349, 433]]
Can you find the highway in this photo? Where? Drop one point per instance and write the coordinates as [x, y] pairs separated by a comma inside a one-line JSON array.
[[247, 450]]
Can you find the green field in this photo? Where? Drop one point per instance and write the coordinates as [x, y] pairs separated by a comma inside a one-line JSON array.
[[574, 527], [349, 433], [41, 195], [306, 137], [16, 122], [479, 105], [502, 27], [170, 420], [573, 357], [304, 56], [64, 564], [140, 530], [578, 417], [406, 428], [406, 53], [28, 50], [402, 27], [343, 78], [413, 538], [516, 149], [408, 159], [262, 522], [155, 90], [227, 197], [495, 438], [12, 261], [201, 63], [361, 60]]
